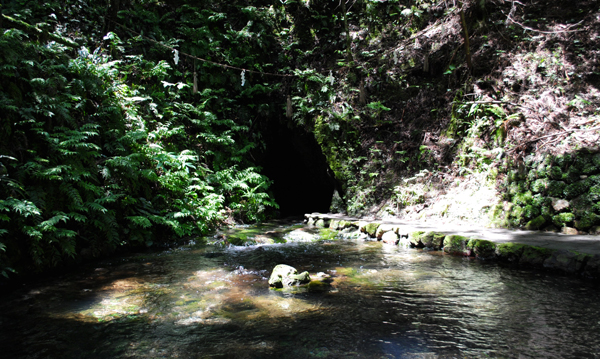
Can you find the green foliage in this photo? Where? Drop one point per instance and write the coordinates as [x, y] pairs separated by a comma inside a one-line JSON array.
[[111, 147]]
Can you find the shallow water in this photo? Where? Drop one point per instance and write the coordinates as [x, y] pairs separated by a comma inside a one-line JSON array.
[[210, 301]]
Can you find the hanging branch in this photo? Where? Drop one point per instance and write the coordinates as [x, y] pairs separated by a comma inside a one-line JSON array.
[[199, 58]]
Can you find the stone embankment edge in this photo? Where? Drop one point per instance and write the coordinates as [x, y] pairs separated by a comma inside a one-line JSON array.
[[523, 255]]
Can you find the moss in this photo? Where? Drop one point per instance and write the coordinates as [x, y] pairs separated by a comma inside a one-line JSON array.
[[571, 175], [575, 189], [482, 248], [594, 193], [539, 185], [536, 223], [415, 239], [455, 244], [516, 215], [510, 252], [587, 221], [530, 211], [523, 199], [563, 219], [318, 286], [563, 161], [327, 234], [555, 173], [371, 229], [432, 239], [556, 188]]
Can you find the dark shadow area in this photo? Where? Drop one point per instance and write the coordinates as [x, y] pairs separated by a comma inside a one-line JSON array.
[[303, 182]]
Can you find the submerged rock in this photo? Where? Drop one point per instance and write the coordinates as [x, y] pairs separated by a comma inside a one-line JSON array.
[[284, 275]]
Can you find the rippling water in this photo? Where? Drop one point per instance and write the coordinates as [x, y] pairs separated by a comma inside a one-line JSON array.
[[209, 301]]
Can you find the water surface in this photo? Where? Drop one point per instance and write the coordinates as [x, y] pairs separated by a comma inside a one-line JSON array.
[[380, 301]]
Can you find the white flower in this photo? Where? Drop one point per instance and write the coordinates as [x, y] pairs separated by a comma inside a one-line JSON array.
[[176, 56], [243, 77]]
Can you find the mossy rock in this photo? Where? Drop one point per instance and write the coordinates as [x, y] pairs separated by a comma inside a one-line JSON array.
[[594, 193], [509, 252], [567, 261], [555, 173], [347, 224], [482, 248], [540, 185], [516, 215], [540, 201], [530, 212], [590, 167], [536, 223], [534, 256], [415, 239], [571, 175], [576, 189], [322, 223], [371, 228], [563, 161], [523, 199], [455, 244], [532, 175], [563, 219], [587, 221], [433, 240], [284, 275], [556, 188], [592, 267], [334, 224], [581, 205]]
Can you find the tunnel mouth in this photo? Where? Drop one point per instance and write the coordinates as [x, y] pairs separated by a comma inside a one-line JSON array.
[[293, 160]]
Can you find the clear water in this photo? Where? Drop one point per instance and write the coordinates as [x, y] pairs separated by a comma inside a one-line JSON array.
[[208, 301]]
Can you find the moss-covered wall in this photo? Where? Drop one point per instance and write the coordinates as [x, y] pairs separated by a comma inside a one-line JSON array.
[[552, 192]]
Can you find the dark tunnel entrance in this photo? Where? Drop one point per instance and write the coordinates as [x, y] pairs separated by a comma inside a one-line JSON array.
[[293, 160]]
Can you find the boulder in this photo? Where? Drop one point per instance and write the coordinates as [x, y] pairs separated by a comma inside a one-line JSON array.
[[482, 248], [284, 275], [592, 267], [536, 223], [567, 261], [509, 252], [415, 239], [569, 230], [390, 238], [534, 256], [384, 228], [455, 244], [559, 204], [370, 229], [433, 240]]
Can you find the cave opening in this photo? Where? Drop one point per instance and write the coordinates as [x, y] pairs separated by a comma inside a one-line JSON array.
[[302, 180]]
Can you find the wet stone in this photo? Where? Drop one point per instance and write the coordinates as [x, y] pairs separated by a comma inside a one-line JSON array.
[[534, 256], [567, 261], [390, 238], [284, 275]]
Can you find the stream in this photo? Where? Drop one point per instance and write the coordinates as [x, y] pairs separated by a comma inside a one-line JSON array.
[[200, 300]]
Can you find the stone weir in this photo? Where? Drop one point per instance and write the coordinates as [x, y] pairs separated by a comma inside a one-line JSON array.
[[570, 254]]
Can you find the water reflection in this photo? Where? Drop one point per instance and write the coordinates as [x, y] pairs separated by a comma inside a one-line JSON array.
[[213, 301]]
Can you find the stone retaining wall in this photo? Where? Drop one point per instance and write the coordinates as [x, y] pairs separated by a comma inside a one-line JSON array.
[[523, 255]]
